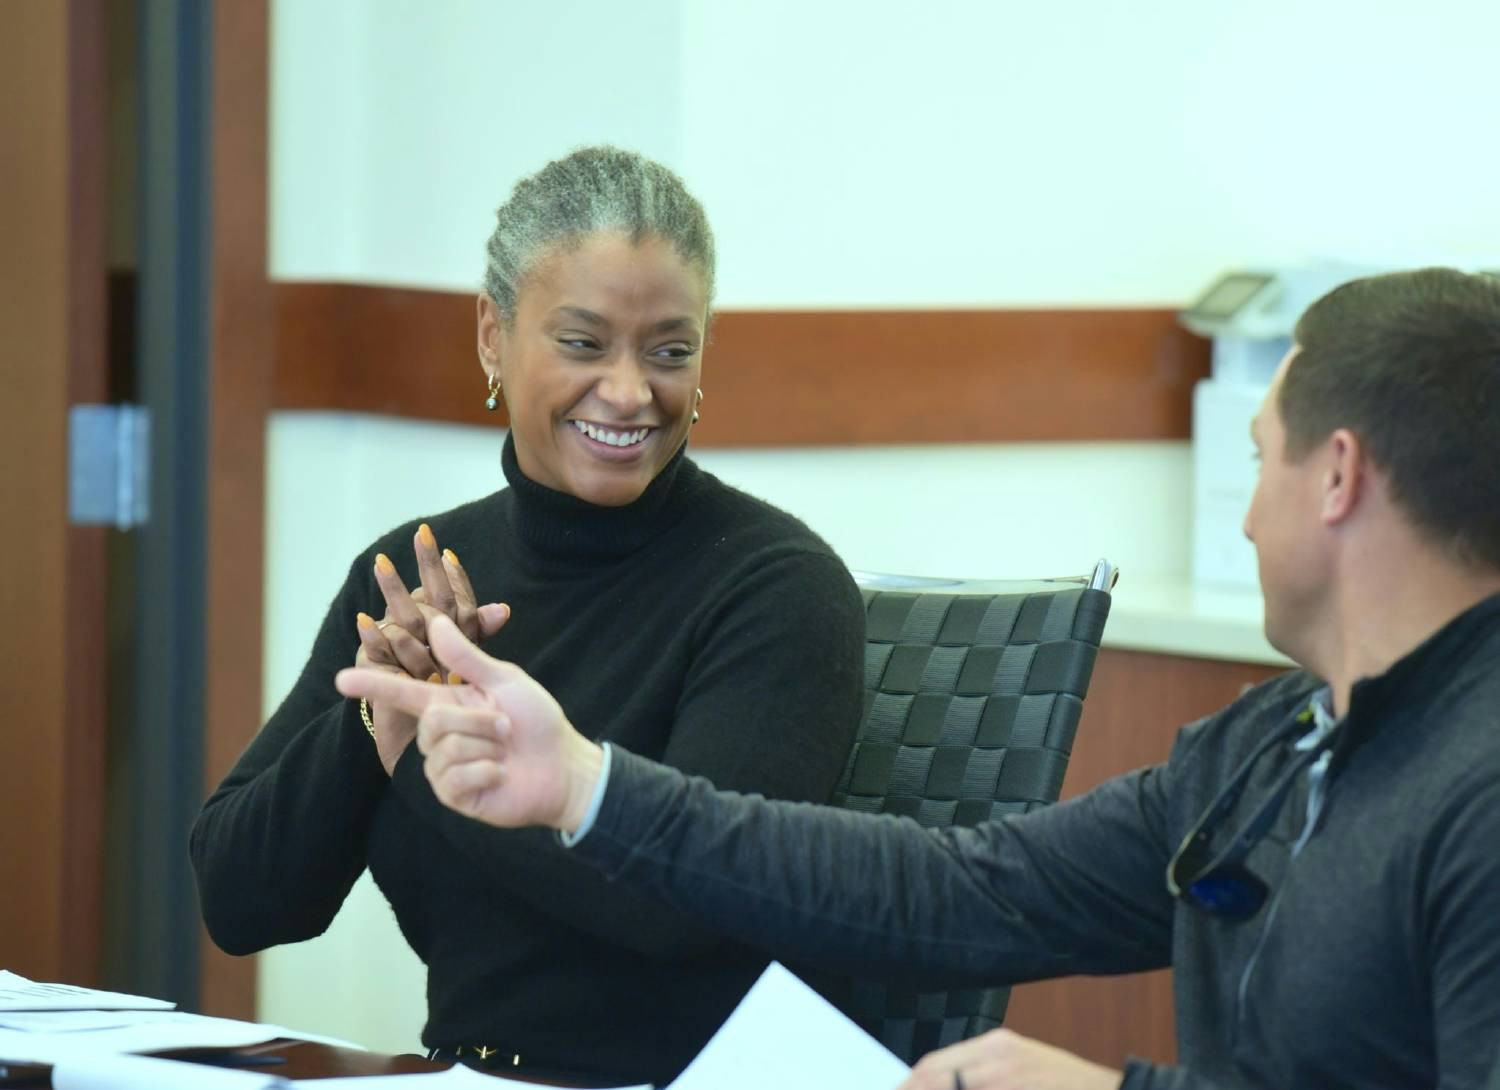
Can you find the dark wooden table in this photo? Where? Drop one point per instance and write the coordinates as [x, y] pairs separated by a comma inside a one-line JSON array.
[[290, 1059], [298, 1060], [311, 1060]]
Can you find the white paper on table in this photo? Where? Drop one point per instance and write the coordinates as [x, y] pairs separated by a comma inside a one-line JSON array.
[[48, 1038], [785, 1035], [153, 1073], [457, 1077], [19, 994], [318, 1038]]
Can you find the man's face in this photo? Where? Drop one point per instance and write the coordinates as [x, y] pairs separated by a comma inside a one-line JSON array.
[[1284, 526]]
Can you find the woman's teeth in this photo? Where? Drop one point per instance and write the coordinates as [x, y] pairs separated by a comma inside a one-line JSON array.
[[613, 438]]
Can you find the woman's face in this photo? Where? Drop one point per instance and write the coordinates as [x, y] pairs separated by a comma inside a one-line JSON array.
[[600, 366]]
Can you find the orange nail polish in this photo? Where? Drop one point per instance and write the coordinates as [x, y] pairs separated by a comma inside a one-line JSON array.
[[451, 557], [454, 679], [435, 679], [364, 620], [383, 564], [424, 534]]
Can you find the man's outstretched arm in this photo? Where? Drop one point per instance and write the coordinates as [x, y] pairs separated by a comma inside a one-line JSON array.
[[1068, 889]]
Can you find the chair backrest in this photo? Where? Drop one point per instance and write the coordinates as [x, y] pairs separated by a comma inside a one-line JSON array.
[[972, 696]]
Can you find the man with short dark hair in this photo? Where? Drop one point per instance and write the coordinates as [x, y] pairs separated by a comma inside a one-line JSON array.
[[1319, 862]]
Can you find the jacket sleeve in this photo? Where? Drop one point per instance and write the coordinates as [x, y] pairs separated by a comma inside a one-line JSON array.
[[1459, 932], [1140, 1075], [279, 843], [1072, 888], [756, 713]]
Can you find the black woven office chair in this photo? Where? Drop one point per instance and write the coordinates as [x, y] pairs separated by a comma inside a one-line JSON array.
[[972, 696]]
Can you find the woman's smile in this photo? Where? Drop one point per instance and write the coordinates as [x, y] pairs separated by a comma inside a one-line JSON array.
[[614, 444]]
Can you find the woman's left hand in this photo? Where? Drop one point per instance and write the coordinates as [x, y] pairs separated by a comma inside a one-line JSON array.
[[445, 589], [401, 635], [1004, 1060]]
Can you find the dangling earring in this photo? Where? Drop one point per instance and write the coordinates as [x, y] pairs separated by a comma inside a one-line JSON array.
[[695, 406], [493, 401]]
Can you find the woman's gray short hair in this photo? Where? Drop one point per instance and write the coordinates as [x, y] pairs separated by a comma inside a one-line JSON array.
[[588, 191]]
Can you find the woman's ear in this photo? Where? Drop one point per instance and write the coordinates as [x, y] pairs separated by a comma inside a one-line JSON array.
[[487, 316]]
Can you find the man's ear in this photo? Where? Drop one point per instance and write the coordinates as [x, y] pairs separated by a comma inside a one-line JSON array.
[[1345, 479]]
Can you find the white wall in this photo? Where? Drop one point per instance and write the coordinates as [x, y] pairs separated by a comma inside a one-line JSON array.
[[398, 127], [854, 154]]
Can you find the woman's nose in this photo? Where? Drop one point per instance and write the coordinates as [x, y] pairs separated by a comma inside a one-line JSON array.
[[624, 386]]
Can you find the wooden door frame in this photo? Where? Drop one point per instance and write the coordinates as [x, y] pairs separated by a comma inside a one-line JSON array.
[[52, 308], [242, 351], [54, 60]]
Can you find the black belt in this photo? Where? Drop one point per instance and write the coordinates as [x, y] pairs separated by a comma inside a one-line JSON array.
[[498, 1060], [481, 1056]]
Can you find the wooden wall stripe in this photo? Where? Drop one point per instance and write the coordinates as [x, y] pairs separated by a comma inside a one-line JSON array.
[[784, 378]]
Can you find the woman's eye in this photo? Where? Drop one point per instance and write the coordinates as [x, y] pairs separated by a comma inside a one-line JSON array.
[[579, 344], [675, 352]]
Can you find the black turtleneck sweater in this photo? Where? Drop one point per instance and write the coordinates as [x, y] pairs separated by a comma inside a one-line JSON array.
[[698, 626]]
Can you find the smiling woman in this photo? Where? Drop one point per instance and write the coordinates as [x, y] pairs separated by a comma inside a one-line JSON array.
[[600, 364], [670, 614]]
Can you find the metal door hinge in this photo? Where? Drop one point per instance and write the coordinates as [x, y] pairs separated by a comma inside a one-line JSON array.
[[108, 465]]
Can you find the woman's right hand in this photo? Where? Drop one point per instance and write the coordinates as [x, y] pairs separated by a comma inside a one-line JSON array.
[[397, 642], [393, 729]]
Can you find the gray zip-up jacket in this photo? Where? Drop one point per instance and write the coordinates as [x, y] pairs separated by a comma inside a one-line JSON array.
[[1375, 961]]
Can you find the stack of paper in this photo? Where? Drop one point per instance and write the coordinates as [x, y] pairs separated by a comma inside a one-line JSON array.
[[51, 1023], [150, 1073], [19, 994]]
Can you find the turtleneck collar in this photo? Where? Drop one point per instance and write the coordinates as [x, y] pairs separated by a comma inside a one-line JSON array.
[[561, 526]]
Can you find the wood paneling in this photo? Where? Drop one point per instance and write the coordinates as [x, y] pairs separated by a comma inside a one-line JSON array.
[[784, 378], [51, 648], [1136, 703], [241, 347], [795, 378], [397, 351]]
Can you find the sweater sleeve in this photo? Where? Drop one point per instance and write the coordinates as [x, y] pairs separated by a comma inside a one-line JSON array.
[[770, 705], [1073, 888], [278, 845]]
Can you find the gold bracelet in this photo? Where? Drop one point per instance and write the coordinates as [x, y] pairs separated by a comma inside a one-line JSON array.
[[364, 715]]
